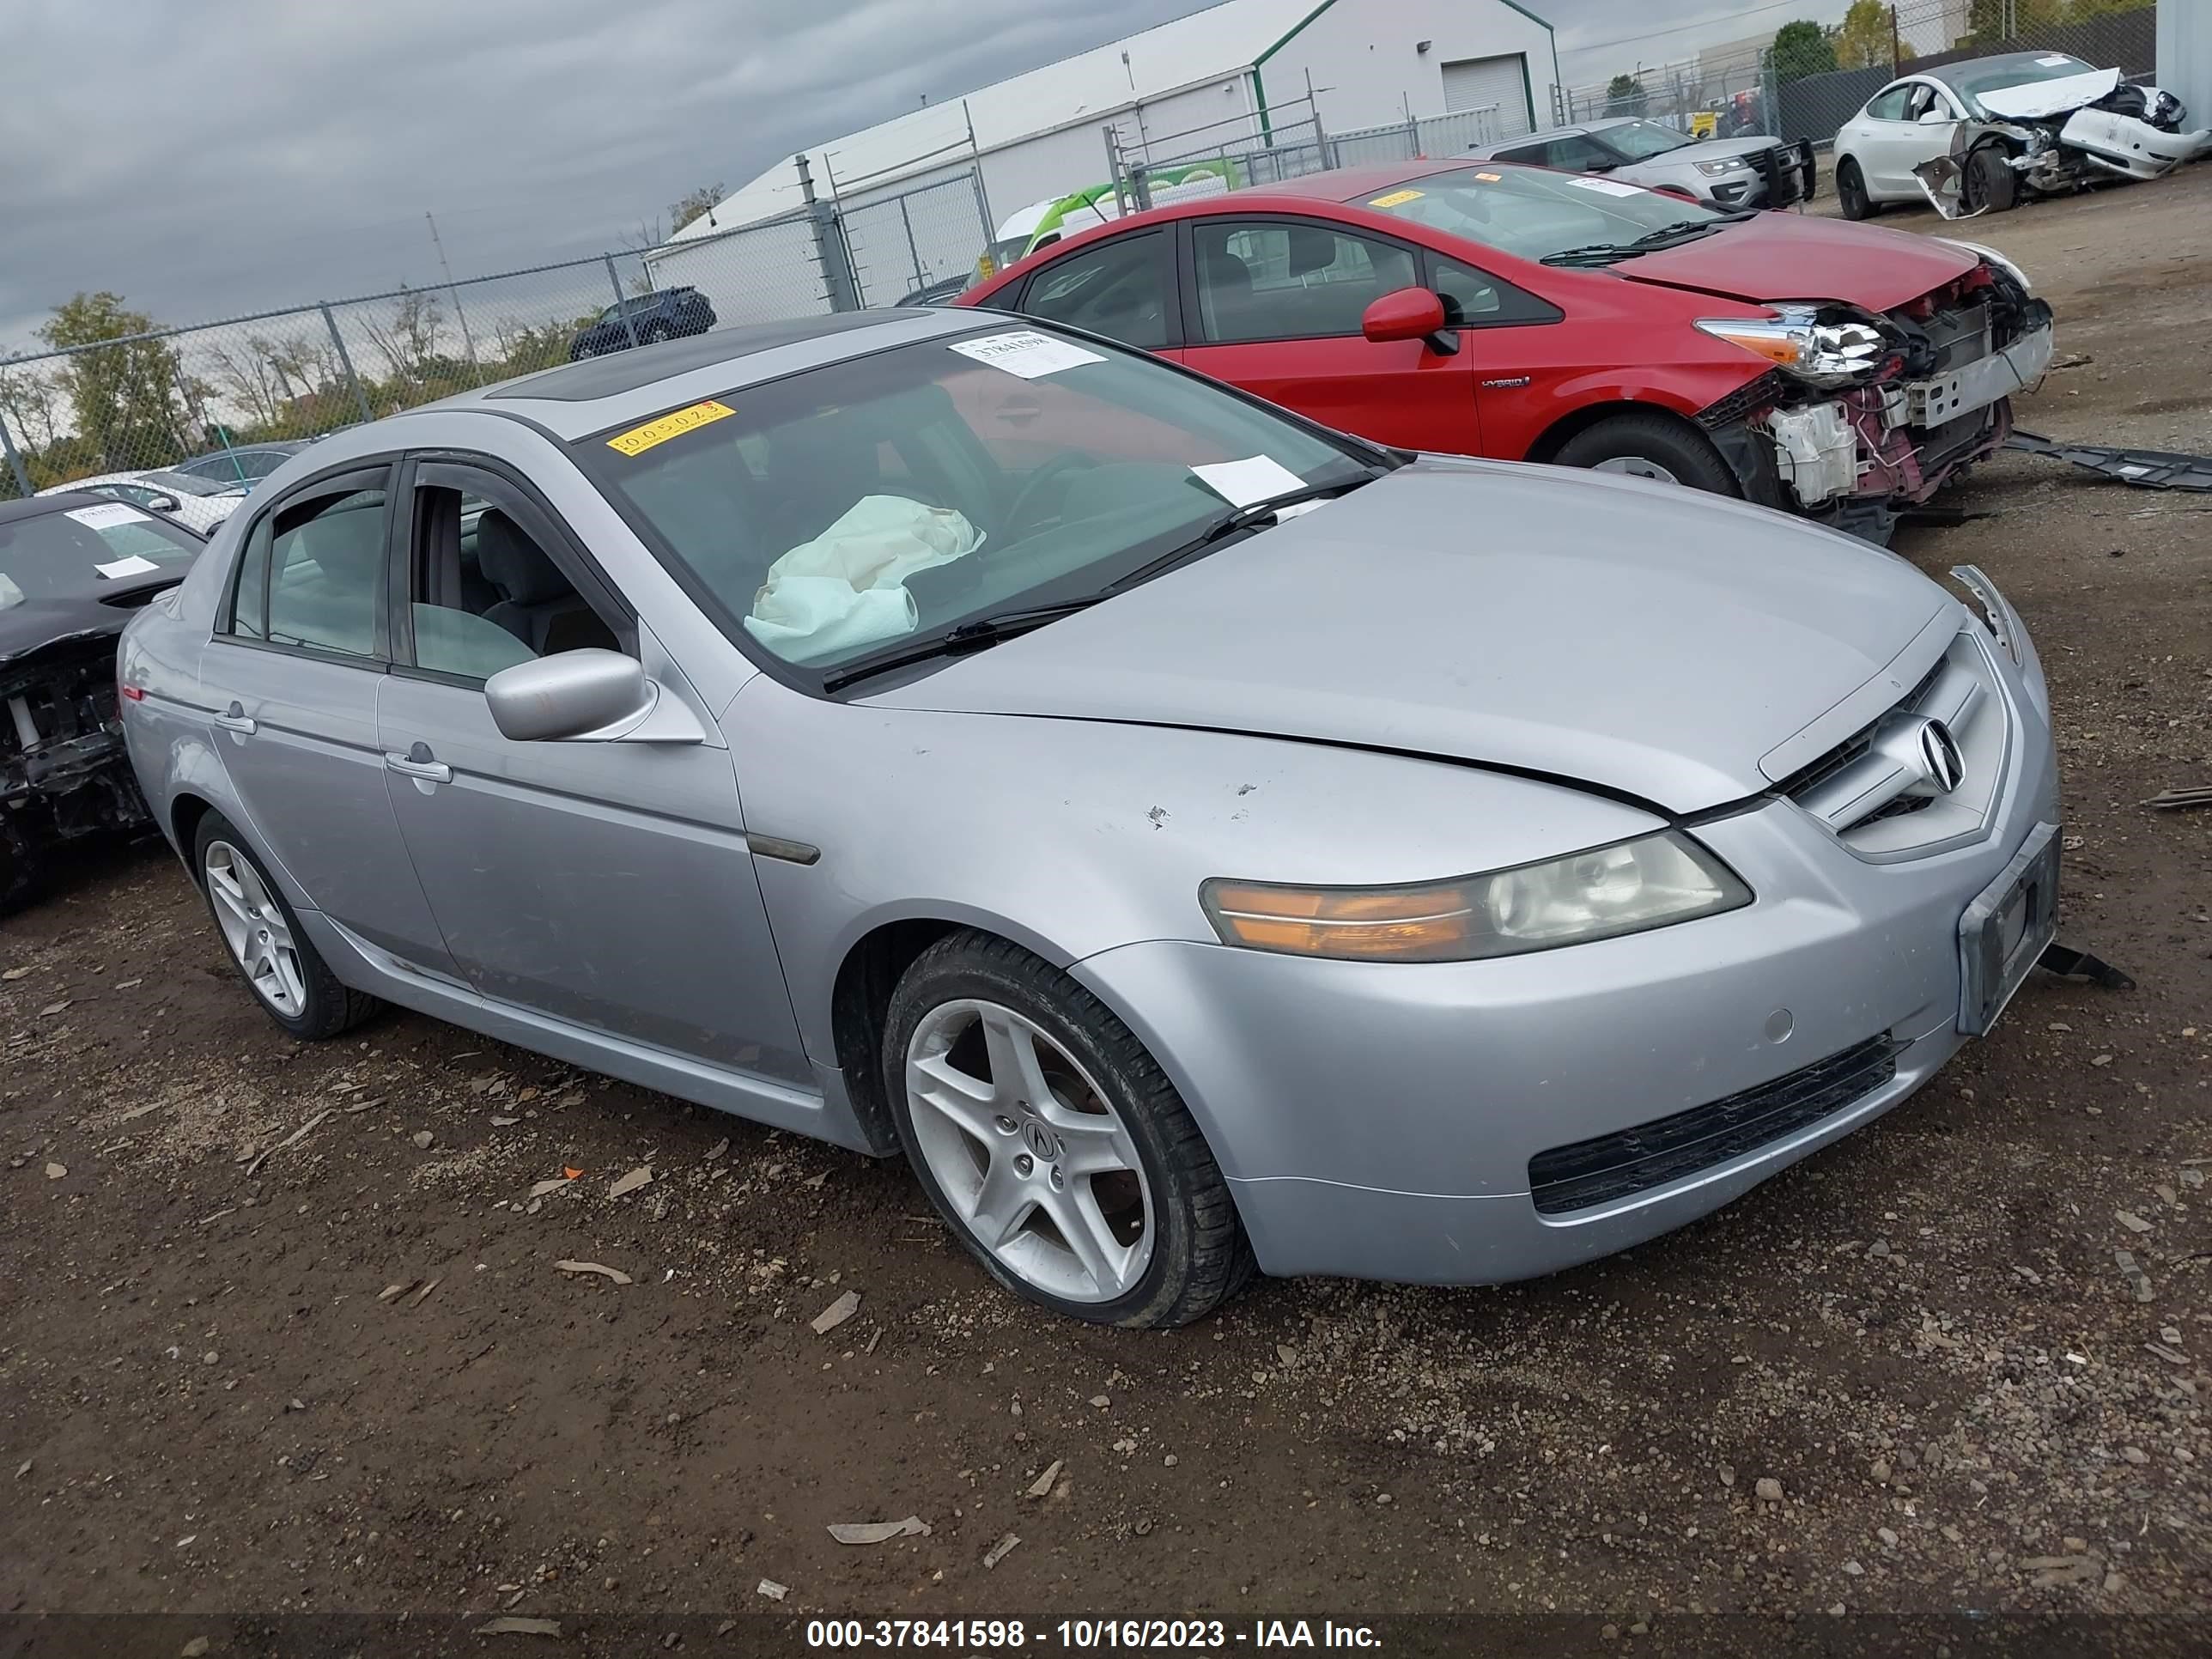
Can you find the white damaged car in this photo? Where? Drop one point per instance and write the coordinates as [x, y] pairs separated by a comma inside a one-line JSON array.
[[1973, 136]]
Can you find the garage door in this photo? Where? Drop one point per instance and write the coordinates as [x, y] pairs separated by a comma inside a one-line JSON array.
[[1498, 83]]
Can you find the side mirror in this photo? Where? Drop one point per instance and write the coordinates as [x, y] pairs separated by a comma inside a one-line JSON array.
[[1409, 314], [164, 503], [590, 694], [1601, 166]]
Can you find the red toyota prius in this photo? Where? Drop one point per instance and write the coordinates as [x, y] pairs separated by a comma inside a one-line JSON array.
[[1843, 371]]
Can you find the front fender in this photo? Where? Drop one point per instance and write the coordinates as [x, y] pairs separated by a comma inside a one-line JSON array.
[[1073, 837]]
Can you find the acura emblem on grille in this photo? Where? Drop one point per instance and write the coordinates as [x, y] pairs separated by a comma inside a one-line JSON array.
[[1941, 764]]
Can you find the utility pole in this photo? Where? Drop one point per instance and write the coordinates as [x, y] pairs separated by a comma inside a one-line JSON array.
[[468, 341]]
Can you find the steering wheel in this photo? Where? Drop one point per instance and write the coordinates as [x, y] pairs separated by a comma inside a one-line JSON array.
[[1032, 491]]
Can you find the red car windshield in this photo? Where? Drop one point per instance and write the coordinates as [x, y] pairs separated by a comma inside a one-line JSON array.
[[1534, 213]]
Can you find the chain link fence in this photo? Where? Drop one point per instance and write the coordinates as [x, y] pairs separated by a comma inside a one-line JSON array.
[[1293, 142], [130, 397]]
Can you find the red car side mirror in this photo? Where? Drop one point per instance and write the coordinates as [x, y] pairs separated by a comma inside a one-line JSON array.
[[1674, 190], [1409, 314]]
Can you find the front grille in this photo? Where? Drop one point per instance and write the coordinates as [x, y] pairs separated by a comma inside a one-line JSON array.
[[1870, 789], [1614, 1166]]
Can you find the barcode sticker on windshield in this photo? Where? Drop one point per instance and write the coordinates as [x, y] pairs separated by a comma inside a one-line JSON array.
[[2057, 60], [1395, 198], [1605, 187], [116, 569], [105, 515], [639, 439], [1026, 353]]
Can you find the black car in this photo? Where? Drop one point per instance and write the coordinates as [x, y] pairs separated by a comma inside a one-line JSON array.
[[73, 569], [246, 464], [943, 292], [660, 315]]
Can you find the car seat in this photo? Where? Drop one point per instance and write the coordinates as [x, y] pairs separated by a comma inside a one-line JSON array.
[[537, 605]]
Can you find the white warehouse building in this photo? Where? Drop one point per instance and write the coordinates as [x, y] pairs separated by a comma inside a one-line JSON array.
[[1233, 78]]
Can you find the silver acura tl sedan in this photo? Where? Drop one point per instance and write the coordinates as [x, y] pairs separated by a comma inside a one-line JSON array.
[[1199, 841]]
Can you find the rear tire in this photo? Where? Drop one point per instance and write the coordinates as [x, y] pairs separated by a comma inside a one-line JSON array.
[[1652, 446], [1851, 198], [260, 931], [1084, 1131]]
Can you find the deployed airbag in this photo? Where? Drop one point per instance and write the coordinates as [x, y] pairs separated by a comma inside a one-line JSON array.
[[847, 586]]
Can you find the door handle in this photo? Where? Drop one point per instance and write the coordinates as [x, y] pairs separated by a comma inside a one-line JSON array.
[[418, 763], [236, 719]]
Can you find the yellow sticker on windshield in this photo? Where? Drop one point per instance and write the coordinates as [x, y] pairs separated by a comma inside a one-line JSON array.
[[639, 439], [1492, 178], [1395, 198]]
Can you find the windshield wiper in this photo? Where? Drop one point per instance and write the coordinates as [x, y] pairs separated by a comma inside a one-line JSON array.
[[1652, 241], [1250, 516], [976, 635]]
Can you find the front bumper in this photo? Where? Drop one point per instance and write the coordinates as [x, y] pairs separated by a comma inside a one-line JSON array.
[[1379, 1120]]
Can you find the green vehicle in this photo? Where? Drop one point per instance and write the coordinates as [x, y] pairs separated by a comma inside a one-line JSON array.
[[1042, 223]]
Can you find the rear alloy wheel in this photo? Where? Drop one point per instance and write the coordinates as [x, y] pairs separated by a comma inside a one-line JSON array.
[[1649, 445], [1054, 1143], [286, 974], [1852, 195]]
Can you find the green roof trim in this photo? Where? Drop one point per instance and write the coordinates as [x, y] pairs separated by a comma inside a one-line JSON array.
[[1298, 26], [1512, 4]]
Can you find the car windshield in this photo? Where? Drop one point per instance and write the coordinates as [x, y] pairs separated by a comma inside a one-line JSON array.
[[1536, 214], [2054, 66], [833, 514], [82, 552], [1639, 141]]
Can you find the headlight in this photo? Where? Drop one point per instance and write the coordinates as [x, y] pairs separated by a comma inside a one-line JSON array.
[[1827, 353], [1625, 888], [1995, 258], [1726, 164]]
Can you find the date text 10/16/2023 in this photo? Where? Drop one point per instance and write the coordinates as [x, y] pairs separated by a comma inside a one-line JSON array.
[[1086, 1634]]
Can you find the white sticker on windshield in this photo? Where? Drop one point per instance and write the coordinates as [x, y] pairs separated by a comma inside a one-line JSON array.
[[116, 569], [1242, 483], [1607, 187], [1027, 353], [2057, 60], [106, 514]]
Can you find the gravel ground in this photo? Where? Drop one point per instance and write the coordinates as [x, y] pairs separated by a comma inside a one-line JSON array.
[[1909, 1375]]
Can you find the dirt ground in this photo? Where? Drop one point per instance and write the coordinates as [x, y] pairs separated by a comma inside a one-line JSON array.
[[1923, 1334]]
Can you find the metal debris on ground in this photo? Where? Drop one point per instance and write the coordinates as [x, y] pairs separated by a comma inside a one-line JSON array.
[[641, 1177], [2150, 469], [509, 1625], [878, 1532], [1042, 1486], [770, 1588], [1000, 1551], [836, 1313], [2195, 795], [600, 1268]]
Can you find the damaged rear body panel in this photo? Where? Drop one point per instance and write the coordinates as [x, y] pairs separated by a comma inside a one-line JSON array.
[[2057, 137], [73, 571], [1923, 394]]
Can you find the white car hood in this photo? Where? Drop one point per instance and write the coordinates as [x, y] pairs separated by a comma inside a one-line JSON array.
[[2040, 98]]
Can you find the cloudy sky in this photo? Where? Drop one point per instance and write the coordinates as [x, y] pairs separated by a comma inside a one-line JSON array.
[[207, 158]]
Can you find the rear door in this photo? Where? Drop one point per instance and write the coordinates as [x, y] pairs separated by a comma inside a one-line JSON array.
[[292, 673], [1893, 144], [1273, 305], [605, 885]]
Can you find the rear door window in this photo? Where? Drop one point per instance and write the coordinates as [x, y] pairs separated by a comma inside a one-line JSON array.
[[313, 572], [1120, 289]]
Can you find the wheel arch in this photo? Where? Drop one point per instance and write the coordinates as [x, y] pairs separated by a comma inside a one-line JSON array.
[[1576, 422]]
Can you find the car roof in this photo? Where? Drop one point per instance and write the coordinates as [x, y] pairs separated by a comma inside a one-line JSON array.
[[39, 506], [1950, 73], [577, 399]]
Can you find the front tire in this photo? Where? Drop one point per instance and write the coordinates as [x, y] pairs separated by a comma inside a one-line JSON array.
[[1052, 1144], [1851, 198], [1990, 186], [287, 976], [1649, 445]]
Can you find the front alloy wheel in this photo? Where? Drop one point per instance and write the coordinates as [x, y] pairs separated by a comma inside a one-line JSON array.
[[1050, 1139]]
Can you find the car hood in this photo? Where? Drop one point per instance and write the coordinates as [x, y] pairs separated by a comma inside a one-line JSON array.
[[27, 627], [1790, 256], [1708, 149], [1643, 639], [2035, 98]]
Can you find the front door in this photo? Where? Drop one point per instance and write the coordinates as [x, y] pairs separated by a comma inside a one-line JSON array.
[[292, 674], [1274, 306], [606, 884]]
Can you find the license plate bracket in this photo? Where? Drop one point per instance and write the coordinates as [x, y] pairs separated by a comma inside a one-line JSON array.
[[2005, 929]]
